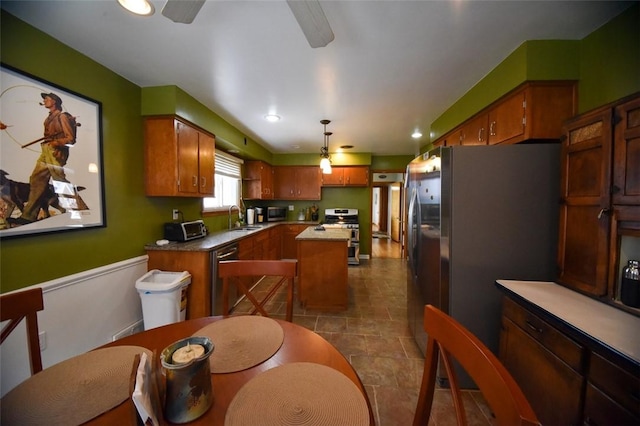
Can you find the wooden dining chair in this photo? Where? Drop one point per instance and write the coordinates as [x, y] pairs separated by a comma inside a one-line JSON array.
[[285, 269], [449, 340], [16, 306]]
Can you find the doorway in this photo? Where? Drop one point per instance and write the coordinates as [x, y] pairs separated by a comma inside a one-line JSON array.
[[387, 201]]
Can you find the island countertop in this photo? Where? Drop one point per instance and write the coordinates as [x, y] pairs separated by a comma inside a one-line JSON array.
[[333, 234]]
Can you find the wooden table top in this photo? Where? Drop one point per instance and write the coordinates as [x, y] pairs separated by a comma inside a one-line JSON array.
[[299, 345]]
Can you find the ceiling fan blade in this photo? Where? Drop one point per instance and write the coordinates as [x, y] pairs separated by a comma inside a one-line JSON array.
[[182, 11], [313, 22]]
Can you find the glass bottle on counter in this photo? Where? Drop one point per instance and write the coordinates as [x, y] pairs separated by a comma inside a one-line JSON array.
[[630, 285]]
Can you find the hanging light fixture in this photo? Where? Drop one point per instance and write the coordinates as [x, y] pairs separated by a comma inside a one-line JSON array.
[[325, 159]]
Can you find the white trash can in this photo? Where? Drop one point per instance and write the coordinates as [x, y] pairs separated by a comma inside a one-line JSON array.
[[164, 297]]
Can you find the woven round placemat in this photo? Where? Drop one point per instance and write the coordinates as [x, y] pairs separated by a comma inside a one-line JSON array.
[[242, 341], [73, 391], [300, 393]]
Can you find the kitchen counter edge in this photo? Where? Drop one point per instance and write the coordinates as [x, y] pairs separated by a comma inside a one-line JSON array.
[[218, 239]]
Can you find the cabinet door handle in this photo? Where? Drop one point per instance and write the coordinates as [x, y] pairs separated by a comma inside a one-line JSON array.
[[603, 212], [194, 180], [492, 128], [533, 327], [204, 181]]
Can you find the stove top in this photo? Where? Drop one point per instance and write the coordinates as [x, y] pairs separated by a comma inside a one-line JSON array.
[[341, 217]]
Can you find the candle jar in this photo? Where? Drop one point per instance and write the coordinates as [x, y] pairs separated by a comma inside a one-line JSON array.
[[188, 391]]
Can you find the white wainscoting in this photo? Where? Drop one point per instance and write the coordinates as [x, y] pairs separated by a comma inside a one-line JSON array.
[[81, 312]]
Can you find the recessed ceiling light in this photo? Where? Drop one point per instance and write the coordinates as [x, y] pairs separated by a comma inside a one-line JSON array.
[[272, 118], [416, 135], [139, 7]]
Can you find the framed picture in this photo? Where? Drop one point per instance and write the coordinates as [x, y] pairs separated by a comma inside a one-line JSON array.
[[51, 172]]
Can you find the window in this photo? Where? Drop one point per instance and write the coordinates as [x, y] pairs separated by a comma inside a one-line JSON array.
[[228, 180]]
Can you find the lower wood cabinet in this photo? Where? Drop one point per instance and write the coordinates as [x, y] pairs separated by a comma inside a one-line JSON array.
[[289, 234], [567, 382], [548, 366]]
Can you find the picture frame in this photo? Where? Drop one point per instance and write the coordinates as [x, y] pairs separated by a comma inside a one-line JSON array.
[[51, 160]]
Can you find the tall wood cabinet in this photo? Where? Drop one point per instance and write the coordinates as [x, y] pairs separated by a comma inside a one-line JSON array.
[[600, 193], [297, 182], [179, 158], [257, 182]]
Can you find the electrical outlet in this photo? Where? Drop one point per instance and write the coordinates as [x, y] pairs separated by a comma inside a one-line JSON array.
[[175, 214], [290, 208], [42, 337]]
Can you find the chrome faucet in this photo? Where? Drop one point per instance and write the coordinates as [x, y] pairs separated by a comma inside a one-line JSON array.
[[239, 213]]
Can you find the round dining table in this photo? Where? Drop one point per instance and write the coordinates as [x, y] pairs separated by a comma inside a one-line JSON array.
[[299, 345]]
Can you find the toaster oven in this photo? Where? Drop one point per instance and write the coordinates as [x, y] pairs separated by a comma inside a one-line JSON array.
[[184, 231]]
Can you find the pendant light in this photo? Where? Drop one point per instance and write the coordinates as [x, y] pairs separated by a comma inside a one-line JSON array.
[[325, 159]]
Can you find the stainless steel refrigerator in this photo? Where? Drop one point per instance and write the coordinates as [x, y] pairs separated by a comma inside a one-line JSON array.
[[477, 214]]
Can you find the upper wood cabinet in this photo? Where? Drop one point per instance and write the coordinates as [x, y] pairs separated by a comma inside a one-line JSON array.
[[626, 167], [257, 183], [297, 182], [534, 110], [600, 196], [179, 158], [346, 176]]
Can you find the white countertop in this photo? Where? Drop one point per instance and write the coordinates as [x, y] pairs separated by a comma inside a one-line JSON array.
[[613, 327]]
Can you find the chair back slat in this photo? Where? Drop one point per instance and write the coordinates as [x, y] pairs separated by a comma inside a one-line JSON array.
[[448, 339], [287, 269], [24, 305]]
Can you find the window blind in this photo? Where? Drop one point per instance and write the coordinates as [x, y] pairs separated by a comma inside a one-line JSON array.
[[227, 165]]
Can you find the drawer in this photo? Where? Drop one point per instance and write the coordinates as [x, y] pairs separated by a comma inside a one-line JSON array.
[[622, 386], [559, 344], [601, 410]]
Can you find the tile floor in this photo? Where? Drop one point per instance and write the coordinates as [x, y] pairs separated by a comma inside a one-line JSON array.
[[374, 336]]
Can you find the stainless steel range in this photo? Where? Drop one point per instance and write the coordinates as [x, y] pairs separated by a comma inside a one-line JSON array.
[[346, 219]]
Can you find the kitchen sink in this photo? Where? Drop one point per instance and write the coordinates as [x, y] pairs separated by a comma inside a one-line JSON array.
[[247, 228]]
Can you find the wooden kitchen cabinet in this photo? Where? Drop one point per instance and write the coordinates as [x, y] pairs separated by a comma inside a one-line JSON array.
[[289, 234], [297, 182], [475, 131], [626, 166], [179, 158], [257, 183], [199, 265], [600, 189], [346, 176], [274, 247], [585, 180], [548, 366], [568, 375], [535, 110], [612, 395]]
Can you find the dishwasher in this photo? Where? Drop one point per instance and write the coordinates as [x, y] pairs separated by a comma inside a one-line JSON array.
[[228, 252]]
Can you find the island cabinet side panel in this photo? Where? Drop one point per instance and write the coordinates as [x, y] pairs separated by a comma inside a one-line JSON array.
[[323, 274], [198, 264]]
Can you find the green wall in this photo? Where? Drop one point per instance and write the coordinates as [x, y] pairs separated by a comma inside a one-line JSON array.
[[606, 64]]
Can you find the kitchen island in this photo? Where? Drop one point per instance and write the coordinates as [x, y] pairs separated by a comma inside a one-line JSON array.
[[322, 268]]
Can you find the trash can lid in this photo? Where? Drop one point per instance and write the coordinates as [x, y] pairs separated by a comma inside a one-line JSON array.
[[159, 281]]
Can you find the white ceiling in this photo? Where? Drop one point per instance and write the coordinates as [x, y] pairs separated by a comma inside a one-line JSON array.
[[393, 67]]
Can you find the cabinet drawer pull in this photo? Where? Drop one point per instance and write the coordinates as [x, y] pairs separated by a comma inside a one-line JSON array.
[[533, 327]]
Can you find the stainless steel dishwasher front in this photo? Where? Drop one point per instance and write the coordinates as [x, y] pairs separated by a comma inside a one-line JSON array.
[[228, 252]]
